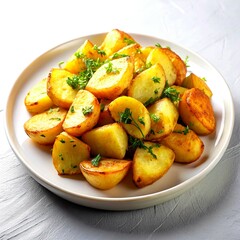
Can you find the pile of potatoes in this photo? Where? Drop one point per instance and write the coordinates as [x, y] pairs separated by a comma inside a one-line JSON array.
[[120, 107]]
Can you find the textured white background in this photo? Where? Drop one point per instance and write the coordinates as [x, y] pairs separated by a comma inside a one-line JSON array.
[[210, 210]]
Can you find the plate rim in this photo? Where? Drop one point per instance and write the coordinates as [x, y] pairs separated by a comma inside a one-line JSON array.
[[175, 190]]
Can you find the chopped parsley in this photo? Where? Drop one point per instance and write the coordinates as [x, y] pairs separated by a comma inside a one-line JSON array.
[[119, 55], [110, 69], [171, 93], [87, 110], [101, 52], [95, 161], [81, 80], [128, 41], [138, 143], [127, 118], [154, 117], [185, 131], [186, 61], [156, 79], [158, 45]]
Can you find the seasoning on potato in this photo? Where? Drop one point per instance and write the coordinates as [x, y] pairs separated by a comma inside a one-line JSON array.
[[120, 107]]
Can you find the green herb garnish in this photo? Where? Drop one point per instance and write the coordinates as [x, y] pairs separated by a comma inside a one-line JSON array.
[[87, 110], [95, 161]]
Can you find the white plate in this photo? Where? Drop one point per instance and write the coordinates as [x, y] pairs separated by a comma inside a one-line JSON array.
[[125, 196]]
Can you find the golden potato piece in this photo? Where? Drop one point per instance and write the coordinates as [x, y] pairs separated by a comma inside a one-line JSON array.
[[44, 127], [178, 63], [114, 41], [58, 90], [132, 115], [147, 167], [196, 111], [83, 114], [193, 81], [107, 174], [157, 55], [67, 153], [76, 63], [148, 85], [111, 79], [37, 100], [109, 141], [164, 117], [185, 143]]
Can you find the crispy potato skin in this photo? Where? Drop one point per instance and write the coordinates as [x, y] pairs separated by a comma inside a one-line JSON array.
[[146, 168], [193, 81], [187, 146], [67, 153], [116, 144], [37, 100], [196, 111], [178, 63], [76, 122], [58, 90], [44, 127], [107, 174]]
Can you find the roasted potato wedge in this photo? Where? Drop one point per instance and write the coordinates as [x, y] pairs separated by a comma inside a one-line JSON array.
[[67, 153], [148, 84], [193, 81], [164, 116], [157, 55], [109, 141], [185, 143], [58, 90], [114, 41], [76, 63], [107, 174], [111, 79], [83, 114], [37, 100], [132, 115], [44, 127], [196, 111], [151, 164], [178, 63]]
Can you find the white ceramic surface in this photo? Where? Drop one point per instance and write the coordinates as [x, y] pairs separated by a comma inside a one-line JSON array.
[[125, 196]]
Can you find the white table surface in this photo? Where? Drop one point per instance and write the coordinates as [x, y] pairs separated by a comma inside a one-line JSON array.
[[209, 210]]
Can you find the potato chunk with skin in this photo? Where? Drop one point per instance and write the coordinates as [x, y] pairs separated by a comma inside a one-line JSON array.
[[114, 41], [67, 154], [76, 64], [179, 65], [159, 56], [185, 143], [146, 168], [148, 84], [109, 141], [44, 127], [193, 81], [104, 117], [132, 115], [83, 114], [111, 79], [58, 90], [196, 111], [107, 174], [164, 117], [37, 100]]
